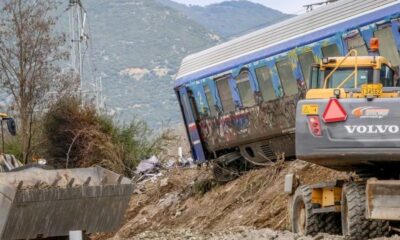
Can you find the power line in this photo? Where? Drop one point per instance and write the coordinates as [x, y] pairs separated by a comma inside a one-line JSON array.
[[310, 7], [90, 87]]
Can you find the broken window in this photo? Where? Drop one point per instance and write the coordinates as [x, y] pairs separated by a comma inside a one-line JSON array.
[[306, 60], [387, 46], [331, 51], [225, 94], [357, 42], [245, 91], [265, 82], [286, 76]]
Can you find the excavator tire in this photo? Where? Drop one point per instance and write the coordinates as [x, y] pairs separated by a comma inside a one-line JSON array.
[[304, 221], [331, 223], [354, 224]]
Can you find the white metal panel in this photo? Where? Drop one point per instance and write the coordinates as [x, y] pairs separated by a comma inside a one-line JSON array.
[[278, 33]]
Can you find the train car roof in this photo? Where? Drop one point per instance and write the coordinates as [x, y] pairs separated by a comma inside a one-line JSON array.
[[304, 29]]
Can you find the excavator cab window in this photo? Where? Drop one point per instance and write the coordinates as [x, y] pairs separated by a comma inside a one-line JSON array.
[[387, 76], [365, 76]]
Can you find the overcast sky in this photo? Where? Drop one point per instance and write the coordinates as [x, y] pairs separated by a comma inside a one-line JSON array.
[[287, 6]]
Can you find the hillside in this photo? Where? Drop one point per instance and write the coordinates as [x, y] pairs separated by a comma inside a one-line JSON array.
[[137, 48], [230, 18], [138, 45]]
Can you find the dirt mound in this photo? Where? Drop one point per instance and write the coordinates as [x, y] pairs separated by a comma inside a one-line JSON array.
[[189, 199]]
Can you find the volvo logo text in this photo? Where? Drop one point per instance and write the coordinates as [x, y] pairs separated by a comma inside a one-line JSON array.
[[371, 129]]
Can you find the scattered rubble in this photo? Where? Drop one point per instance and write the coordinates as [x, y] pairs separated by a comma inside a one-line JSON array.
[[231, 234], [150, 165], [188, 204]]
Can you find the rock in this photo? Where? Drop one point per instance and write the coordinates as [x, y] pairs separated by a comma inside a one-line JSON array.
[[164, 182], [169, 200]]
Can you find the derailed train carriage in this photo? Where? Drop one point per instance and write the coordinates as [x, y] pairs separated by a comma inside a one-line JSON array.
[[238, 99]]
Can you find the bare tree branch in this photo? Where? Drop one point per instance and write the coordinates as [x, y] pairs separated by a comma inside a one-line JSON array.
[[30, 59]]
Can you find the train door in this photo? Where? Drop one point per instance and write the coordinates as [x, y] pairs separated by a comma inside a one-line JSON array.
[[189, 116]]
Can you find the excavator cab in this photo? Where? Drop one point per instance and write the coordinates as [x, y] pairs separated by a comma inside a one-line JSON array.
[[352, 77], [343, 77], [10, 122], [8, 162]]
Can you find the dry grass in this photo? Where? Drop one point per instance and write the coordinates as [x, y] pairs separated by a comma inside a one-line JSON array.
[[81, 137]]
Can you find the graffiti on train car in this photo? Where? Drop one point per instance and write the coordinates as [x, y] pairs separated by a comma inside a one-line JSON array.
[[249, 124]]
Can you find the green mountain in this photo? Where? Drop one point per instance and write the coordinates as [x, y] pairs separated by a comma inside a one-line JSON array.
[[137, 47], [230, 18]]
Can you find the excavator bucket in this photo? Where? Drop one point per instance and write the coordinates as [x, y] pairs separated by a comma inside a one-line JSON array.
[[40, 203], [383, 199]]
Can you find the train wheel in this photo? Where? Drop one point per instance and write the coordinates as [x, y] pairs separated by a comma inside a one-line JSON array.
[[304, 221], [228, 167], [224, 173], [355, 226]]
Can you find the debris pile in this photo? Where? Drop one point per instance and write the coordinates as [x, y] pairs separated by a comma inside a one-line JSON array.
[[189, 199], [187, 204]]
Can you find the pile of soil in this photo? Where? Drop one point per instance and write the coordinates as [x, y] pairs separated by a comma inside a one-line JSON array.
[[190, 199]]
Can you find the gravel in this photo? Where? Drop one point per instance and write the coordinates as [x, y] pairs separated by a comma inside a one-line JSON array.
[[242, 233]]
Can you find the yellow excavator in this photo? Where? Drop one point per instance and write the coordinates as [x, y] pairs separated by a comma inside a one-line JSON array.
[[38, 202], [349, 121]]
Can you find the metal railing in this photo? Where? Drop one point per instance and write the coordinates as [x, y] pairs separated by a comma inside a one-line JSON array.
[[354, 73]]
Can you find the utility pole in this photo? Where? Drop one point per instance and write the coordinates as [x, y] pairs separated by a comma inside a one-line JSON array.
[[310, 7], [90, 86]]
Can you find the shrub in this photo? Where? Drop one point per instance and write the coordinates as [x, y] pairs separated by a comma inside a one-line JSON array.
[[12, 145], [78, 136]]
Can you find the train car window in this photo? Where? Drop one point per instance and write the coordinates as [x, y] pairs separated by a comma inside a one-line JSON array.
[[357, 43], [387, 76], [286, 76], [210, 101], [306, 61], [331, 51], [225, 94], [245, 91], [187, 108], [265, 82], [316, 76], [196, 92], [194, 105], [387, 46]]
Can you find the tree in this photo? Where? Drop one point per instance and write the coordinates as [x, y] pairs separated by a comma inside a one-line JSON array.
[[30, 57]]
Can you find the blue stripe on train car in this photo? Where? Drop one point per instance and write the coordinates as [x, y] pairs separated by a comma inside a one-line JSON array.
[[301, 41]]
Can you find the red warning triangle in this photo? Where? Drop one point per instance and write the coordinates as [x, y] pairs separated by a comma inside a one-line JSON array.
[[334, 112]]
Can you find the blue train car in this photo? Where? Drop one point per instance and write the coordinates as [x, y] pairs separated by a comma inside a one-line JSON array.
[[240, 96]]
